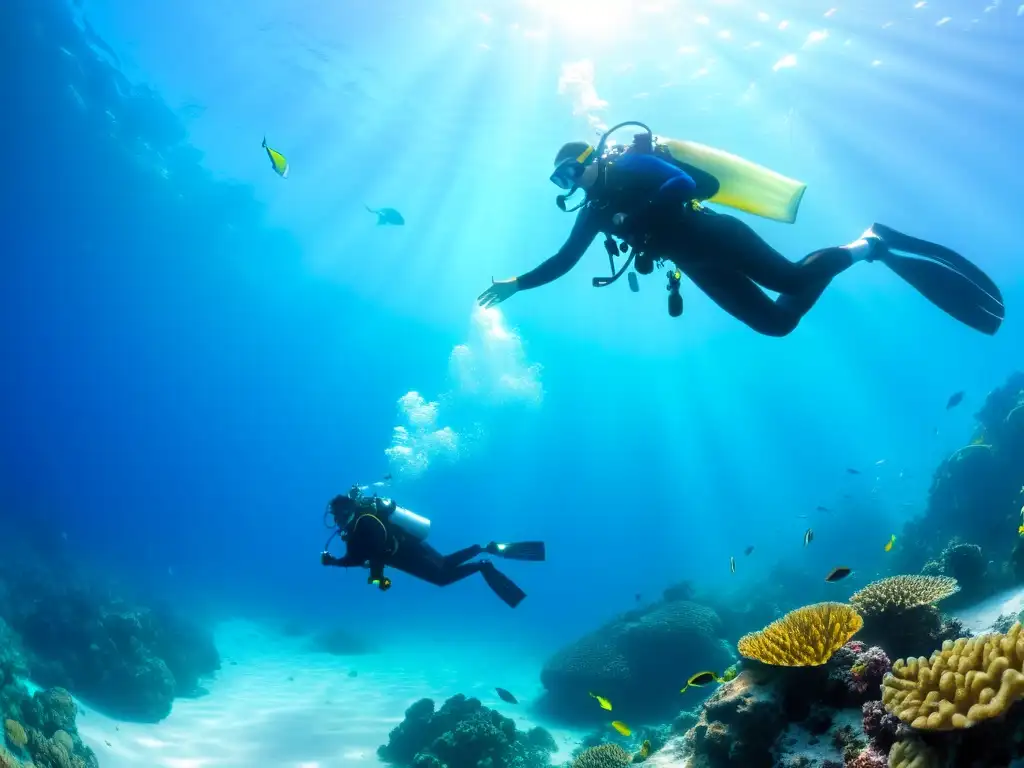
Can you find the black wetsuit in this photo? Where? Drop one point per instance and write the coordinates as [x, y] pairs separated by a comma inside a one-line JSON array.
[[723, 256], [374, 542]]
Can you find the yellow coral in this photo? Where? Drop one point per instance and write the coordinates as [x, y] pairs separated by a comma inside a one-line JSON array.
[[15, 733], [911, 753], [968, 681], [903, 592], [603, 756], [806, 637]]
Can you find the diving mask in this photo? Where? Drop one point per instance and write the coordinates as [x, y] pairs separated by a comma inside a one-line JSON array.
[[567, 174]]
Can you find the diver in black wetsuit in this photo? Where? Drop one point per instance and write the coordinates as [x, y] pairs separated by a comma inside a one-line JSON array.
[[378, 533], [652, 203]]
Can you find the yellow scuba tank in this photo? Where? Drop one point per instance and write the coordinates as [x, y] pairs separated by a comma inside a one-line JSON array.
[[745, 186]]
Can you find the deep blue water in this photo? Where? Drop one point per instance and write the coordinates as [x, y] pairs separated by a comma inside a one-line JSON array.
[[195, 354]]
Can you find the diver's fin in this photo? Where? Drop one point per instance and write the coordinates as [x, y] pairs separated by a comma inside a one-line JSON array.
[[897, 241], [503, 586], [949, 290], [522, 550]]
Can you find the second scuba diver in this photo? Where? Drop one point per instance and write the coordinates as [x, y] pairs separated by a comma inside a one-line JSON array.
[[649, 196], [378, 534]]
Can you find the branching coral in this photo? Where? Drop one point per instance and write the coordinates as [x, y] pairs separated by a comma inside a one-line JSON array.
[[806, 637], [903, 593], [968, 681], [603, 756]]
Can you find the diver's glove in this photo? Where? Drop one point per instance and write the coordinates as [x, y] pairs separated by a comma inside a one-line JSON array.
[[326, 558]]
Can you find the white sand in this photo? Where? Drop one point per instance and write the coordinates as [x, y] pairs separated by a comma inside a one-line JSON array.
[[283, 706], [979, 618]]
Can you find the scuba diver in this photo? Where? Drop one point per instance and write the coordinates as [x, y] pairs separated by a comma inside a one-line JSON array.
[[378, 533], [648, 197]]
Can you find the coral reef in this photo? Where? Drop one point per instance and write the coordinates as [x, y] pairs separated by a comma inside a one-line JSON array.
[[899, 615], [738, 725], [805, 637], [639, 661], [130, 660], [859, 670], [912, 753], [966, 682], [879, 726], [975, 497], [464, 732], [603, 756], [41, 726]]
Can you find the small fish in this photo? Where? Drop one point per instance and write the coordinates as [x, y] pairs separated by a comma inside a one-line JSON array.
[[353, 673], [749, 550], [822, 509], [386, 216], [701, 679], [852, 471], [732, 565], [605, 704], [1020, 530], [838, 574], [645, 750], [387, 477], [808, 536], [847, 495], [277, 161], [880, 462], [730, 674], [802, 517], [889, 544], [954, 400], [621, 727], [858, 669], [506, 696], [639, 597]]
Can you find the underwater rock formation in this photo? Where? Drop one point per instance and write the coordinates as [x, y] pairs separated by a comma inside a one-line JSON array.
[[132, 661], [39, 728], [976, 497], [464, 733], [639, 661]]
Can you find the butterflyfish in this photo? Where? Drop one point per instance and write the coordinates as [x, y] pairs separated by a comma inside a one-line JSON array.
[[701, 679], [277, 160]]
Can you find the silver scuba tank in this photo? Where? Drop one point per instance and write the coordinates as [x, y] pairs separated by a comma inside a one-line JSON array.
[[415, 525]]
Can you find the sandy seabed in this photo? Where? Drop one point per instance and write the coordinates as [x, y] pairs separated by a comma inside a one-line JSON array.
[[276, 704]]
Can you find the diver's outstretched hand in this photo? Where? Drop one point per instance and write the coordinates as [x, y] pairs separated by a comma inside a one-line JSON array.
[[498, 292]]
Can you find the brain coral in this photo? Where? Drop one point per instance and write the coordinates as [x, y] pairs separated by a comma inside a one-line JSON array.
[[968, 681], [903, 592], [911, 753], [806, 637], [603, 756]]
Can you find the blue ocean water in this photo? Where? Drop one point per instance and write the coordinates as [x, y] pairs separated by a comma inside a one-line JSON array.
[[197, 354]]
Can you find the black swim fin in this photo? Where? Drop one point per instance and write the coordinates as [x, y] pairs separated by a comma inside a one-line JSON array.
[[944, 277], [503, 586], [523, 550]]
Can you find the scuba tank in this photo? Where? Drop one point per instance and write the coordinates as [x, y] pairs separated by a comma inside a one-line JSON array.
[[415, 525]]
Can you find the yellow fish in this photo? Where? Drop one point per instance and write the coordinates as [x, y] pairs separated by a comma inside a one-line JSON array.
[[645, 750], [702, 678], [1020, 530], [730, 674], [889, 544], [605, 704], [277, 161], [621, 727]]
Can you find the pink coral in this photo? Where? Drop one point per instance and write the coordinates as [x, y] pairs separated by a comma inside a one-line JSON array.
[[879, 725], [860, 669], [869, 758]]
